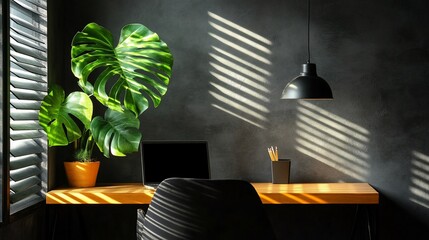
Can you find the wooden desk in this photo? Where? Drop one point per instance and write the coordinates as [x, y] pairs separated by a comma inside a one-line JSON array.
[[317, 193], [306, 193]]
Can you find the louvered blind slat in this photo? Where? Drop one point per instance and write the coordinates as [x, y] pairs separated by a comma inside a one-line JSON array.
[[19, 186], [27, 75], [28, 67], [23, 161], [25, 38], [21, 18], [28, 41], [19, 47], [24, 104], [25, 125], [25, 202], [18, 196], [25, 115], [33, 6], [23, 173], [27, 84], [34, 62], [28, 78], [25, 134], [40, 3], [25, 147], [27, 94]]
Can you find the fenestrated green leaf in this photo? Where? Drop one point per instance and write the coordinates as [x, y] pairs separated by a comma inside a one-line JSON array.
[[117, 133], [55, 115], [139, 67]]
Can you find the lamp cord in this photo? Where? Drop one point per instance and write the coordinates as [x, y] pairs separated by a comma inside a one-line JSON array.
[[308, 30]]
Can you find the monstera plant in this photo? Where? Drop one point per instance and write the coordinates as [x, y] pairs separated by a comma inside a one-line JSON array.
[[123, 78]]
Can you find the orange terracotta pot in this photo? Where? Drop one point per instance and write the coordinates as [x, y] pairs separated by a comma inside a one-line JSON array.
[[82, 174]]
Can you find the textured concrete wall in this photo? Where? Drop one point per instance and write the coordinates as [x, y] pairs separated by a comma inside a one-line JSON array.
[[233, 59]]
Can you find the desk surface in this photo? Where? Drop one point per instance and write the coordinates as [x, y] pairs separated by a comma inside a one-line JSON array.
[[317, 193], [305, 193]]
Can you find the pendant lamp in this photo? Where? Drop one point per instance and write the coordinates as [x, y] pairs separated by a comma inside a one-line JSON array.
[[307, 85]]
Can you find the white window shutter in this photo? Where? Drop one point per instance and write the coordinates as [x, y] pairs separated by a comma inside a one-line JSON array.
[[28, 86]]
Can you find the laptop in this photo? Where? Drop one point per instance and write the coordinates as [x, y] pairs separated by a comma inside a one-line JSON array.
[[163, 159]]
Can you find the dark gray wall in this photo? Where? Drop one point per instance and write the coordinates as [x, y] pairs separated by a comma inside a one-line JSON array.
[[26, 225], [374, 54]]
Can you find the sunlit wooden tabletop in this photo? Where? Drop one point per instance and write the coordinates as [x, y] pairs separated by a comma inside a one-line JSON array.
[[317, 193], [305, 193]]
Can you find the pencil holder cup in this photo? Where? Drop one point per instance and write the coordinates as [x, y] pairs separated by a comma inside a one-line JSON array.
[[280, 171]]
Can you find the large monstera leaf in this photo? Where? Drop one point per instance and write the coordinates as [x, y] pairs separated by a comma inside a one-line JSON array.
[[138, 68], [117, 133], [56, 113]]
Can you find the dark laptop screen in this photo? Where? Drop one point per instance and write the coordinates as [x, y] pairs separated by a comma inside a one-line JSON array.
[[164, 159]]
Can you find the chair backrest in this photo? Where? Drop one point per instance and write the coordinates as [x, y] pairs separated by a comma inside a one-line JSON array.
[[189, 208]]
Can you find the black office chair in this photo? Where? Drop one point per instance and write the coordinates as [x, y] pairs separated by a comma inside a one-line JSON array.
[[189, 208]]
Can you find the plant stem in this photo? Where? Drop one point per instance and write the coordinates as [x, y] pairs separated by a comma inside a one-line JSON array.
[[84, 146]]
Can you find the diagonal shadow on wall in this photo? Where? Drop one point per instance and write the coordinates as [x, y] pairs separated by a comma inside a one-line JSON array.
[[239, 64], [419, 186], [332, 140]]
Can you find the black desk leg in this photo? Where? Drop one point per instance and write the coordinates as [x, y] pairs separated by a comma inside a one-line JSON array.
[[370, 218]]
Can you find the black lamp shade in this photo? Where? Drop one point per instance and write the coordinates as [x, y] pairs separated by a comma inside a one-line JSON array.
[[307, 85]]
